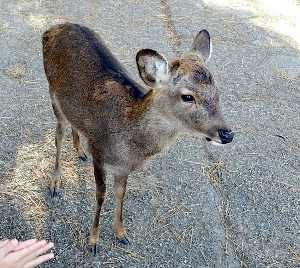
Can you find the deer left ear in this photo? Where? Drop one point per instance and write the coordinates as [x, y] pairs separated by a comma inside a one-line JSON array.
[[153, 68], [202, 45]]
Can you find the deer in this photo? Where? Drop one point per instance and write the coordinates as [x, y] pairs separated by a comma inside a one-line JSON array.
[[125, 123]]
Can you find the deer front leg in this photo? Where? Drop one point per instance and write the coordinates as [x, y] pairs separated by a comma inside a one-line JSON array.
[[120, 182], [100, 197]]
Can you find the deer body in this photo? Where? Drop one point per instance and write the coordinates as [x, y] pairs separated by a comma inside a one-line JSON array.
[[125, 124]]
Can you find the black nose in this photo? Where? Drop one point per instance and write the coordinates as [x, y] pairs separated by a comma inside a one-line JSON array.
[[226, 136]]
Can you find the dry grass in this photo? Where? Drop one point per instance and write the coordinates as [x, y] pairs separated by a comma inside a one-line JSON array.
[[17, 71], [28, 182], [283, 75], [132, 254], [167, 19]]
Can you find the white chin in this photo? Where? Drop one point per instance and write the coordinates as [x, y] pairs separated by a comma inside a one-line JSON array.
[[215, 143]]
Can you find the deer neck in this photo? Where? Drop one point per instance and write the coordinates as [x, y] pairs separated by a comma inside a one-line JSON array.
[[158, 117]]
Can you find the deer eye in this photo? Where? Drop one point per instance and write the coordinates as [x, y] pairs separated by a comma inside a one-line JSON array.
[[188, 98]]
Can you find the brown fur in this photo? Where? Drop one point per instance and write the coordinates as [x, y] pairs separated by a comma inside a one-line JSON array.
[[193, 67], [124, 123]]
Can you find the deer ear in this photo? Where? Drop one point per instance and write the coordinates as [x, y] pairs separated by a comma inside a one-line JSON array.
[[153, 68], [202, 45]]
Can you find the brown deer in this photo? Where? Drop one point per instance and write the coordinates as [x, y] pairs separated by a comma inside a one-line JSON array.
[[125, 124]]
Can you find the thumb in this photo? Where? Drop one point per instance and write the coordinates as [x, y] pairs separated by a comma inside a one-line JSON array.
[[8, 247]]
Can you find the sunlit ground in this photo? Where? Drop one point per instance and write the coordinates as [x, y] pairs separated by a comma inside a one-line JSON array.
[[280, 16]]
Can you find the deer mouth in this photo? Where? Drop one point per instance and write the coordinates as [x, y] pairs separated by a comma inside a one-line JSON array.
[[215, 143]]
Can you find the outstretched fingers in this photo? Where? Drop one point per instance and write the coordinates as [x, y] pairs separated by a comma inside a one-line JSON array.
[[3, 243], [35, 259], [27, 254], [31, 253], [28, 257], [25, 244], [7, 246]]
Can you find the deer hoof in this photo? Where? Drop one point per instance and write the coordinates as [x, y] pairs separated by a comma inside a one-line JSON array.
[[54, 192], [124, 241], [94, 249], [83, 157]]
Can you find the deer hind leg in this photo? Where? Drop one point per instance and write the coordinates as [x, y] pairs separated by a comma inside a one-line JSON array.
[[120, 182], [77, 145], [100, 178], [59, 136]]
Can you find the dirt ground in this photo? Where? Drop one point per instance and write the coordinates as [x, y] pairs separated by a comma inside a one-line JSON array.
[[194, 205]]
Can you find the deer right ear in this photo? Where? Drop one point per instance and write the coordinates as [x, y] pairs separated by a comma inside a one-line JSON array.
[[153, 68], [202, 45]]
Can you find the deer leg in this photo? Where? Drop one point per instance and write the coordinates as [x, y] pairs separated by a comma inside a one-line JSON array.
[[120, 182], [59, 136], [77, 145], [100, 197]]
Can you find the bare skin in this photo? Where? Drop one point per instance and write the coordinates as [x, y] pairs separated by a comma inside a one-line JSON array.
[[26, 254]]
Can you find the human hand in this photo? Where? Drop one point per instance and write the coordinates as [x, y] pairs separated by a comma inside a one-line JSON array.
[[14, 254]]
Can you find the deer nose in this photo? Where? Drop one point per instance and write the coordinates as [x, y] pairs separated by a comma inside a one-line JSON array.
[[226, 136]]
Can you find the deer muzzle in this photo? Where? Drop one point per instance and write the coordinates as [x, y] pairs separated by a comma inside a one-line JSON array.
[[225, 136]]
